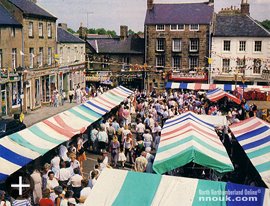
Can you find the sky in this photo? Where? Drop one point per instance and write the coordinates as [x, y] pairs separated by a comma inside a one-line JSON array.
[[111, 14]]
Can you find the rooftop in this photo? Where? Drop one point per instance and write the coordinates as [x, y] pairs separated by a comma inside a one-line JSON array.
[[64, 36], [131, 45], [32, 9], [184, 13], [238, 25], [6, 19]]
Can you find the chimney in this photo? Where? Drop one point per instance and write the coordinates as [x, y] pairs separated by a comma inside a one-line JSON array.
[[63, 26], [211, 2], [245, 7], [82, 32], [123, 32], [150, 4]]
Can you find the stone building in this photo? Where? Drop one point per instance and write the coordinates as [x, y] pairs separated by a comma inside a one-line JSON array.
[[11, 45], [120, 56], [177, 37], [71, 52], [38, 49], [240, 47]]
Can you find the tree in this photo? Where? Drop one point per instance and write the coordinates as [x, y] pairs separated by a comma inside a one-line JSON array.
[[266, 24], [71, 30], [101, 31], [91, 31], [111, 33], [131, 32]]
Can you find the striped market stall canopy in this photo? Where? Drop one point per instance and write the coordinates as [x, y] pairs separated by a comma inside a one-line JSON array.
[[200, 86], [122, 188], [20, 148], [253, 135], [218, 94], [192, 138]]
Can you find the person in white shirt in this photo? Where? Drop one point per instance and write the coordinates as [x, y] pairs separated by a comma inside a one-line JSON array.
[[75, 182], [74, 163], [85, 192], [94, 139], [3, 202], [55, 163], [140, 128], [51, 184], [63, 152], [63, 175]]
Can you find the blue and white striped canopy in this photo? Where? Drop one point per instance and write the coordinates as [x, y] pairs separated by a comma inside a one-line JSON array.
[[253, 135], [20, 148]]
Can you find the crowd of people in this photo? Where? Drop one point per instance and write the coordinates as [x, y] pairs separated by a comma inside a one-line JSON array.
[[126, 138]]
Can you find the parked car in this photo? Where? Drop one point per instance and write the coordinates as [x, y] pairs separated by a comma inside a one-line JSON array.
[[10, 126]]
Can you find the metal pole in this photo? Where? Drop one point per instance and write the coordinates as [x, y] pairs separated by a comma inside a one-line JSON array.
[[20, 92]]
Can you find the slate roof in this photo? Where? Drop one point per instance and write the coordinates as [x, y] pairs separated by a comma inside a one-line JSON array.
[[237, 25], [116, 46], [64, 36], [32, 9], [186, 13], [6, 19]]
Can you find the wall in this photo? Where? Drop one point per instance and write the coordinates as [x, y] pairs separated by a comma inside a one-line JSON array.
[[7, 43], [217, 51], [65, 58], [152, 35], [36, 42]]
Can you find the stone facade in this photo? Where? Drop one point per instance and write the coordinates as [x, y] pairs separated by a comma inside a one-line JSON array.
[[36, 42], [151, 43], [9, 42]]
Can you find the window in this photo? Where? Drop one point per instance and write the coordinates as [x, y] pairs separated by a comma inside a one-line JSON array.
[[40, 56], [176, 45], [193, 62], [61, 55], [241, 62], [40, 29], [176, 62], [160, 27], [75, 53], [68, 54], [194, 45], [31, 52], [225, 65], [82, 53], [160, 45], [177, 27], [1, 59], [30, 29], [258, 46], [194, 27], [227, 45], [257, 63], [160, 61], [49, 30], [242, 46], [49, 56], [13, 32], [14, 58]]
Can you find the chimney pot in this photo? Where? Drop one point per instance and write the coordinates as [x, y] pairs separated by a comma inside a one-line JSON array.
[[150, 4], [123, 32], [245, 7], [63, 26]]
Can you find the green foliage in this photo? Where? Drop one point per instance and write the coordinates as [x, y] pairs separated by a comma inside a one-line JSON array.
[[266, 24], [71, 30]]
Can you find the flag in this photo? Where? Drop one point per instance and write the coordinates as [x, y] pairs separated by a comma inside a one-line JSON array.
[[21, 53]]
